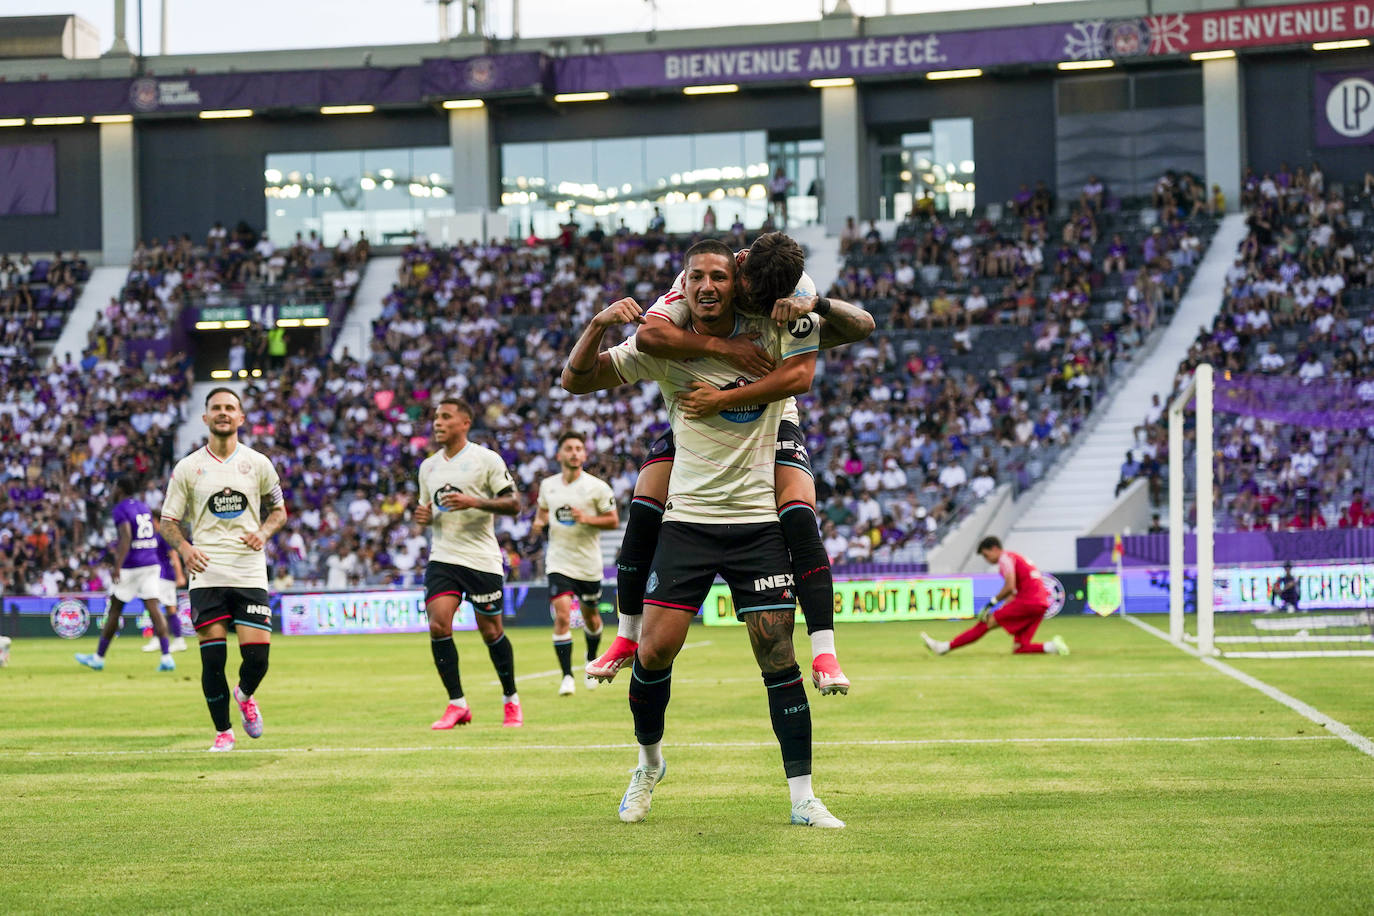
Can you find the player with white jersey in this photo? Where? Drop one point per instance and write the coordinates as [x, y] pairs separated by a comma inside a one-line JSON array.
[[719, 517], [137, 559], [1027, 601], [772, 275], [461, 487], [575, 507], [219, 490]]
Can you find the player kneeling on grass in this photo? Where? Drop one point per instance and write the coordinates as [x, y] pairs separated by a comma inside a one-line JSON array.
[[1020, 616]]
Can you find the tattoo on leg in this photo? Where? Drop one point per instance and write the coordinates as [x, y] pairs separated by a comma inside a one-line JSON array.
[[770, 634]]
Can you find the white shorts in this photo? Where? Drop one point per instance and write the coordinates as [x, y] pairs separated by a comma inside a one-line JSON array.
[[139, 582], [167, 595]]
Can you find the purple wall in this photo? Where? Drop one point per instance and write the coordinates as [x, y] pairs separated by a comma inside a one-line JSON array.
[[28, 180], [1233, 548]]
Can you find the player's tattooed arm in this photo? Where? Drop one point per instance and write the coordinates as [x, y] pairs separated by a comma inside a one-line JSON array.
[[660, 337], [270, 526], [788, 380], [192, 556], [841, 322], [588, 369], [770, 634]]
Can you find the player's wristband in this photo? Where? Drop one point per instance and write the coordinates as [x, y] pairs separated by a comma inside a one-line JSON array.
[[822, 306]]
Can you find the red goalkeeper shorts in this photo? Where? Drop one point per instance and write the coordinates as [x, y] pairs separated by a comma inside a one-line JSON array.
[[1020, 618]]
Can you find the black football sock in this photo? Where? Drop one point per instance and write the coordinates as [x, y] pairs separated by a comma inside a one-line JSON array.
[[446, 660], [649, 693], [253, 668], [213, 656], [637, 554], [810, 566], [791, 716], [503, 660], [593, 642], [562, 647]]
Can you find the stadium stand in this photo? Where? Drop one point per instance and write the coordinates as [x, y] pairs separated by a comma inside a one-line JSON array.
[[996, 339], [1299, 303]]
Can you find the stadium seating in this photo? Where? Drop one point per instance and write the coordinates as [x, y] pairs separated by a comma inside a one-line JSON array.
[[35, 298], [995, 339], [1299, 302]]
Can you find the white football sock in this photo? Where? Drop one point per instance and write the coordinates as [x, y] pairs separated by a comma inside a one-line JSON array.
[[627, 625], [1050, 648], [513, 698], [800, 787], [461, 702], [651, 755], [822, 643]]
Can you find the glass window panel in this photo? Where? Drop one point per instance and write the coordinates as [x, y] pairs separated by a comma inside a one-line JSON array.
[[618, 163]]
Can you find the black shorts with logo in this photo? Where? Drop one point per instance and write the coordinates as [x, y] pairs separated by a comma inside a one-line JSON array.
[[791, 448], [588, 591], [485, 590], [234, 607], [752, 559]]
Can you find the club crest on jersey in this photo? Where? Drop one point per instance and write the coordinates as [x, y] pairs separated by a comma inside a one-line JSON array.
[[747, 413], [228, 503], [801, 326], [443, 491], [243, 467], [70, 619], [564, 514]]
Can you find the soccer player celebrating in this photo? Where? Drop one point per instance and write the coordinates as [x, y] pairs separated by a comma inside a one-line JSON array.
[[1020, 616], [720, 517], [220, 490], [581, 507], [772, 281], [461, 487], [137, 561]]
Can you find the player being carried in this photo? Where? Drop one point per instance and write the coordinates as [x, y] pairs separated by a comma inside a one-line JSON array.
[[220, 489], [1020, 616], [580, 507], [720, 517], [138, 559], [461, 487], [771, 282]]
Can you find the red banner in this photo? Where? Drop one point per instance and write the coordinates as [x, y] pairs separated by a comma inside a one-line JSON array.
[[1279, 25]]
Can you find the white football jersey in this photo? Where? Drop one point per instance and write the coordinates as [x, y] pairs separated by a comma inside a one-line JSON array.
[[222, 500], [672, 305], [574, 548], [723, 472], [465, 537]]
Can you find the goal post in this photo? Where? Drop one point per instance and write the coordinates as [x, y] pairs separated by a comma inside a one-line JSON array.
[[1199, 387]]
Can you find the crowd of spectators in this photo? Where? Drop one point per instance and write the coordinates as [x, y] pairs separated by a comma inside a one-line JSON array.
[[35, 297], [996, 336], [1299, 302]]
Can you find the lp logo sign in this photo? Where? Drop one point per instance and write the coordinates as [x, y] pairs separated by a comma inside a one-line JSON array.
[[1350, 107]]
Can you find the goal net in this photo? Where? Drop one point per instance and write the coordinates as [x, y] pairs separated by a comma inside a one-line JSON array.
[[1277, 607]]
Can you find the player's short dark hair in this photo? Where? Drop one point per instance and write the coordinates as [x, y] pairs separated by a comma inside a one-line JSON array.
[[126, 483], [459, 405], [223, 390], [572, 434], [989, 543], [710, 246], [770, 272]]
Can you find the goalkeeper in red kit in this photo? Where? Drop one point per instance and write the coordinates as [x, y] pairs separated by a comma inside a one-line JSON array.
[[1020, 616]]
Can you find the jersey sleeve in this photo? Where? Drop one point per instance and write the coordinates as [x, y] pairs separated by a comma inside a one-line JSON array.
[[498, 477], [605, 499], [802, 335], [543, 502], [632, 365], [121, 515], [1007, 567], [805, 286], [270, 484], [672, 305], [426, 497], [174, 500]]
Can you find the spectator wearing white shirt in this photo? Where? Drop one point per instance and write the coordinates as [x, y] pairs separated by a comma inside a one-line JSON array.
[[953, 476]]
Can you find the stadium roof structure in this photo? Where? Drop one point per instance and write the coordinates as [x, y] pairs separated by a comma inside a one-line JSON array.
[[1014, 39]]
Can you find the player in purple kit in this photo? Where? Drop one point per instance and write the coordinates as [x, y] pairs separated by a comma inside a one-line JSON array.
[[175, 600], [137, 569]]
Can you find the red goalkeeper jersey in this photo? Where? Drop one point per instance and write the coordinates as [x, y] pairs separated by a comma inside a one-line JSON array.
[[1023, 574]]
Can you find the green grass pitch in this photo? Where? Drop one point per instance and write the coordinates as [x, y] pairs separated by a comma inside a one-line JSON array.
[[954, 774]]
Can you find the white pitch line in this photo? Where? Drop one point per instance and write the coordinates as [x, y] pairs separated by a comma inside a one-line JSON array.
[[1338, 729], [558, 671], [876, 742]]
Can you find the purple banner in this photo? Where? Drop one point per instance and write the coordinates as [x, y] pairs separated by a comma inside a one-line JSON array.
[[444, 78], [1343, 108], [1234, 547], [28, 180], [810, 60], [1320, 403]]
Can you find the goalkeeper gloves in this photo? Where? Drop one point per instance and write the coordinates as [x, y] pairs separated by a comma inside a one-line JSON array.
[[986, 613]]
